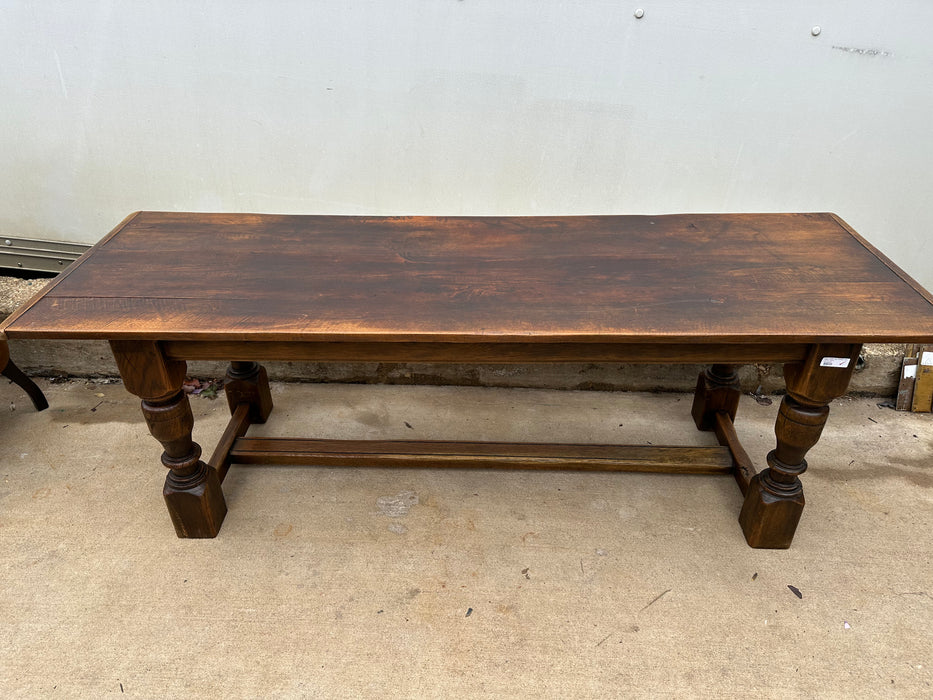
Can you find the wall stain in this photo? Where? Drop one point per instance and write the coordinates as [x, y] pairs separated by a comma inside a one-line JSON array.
[[863, 52]]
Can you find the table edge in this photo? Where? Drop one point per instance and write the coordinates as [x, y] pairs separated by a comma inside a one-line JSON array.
[[58, 279], [292, 337], [884, 259], [460, 337]]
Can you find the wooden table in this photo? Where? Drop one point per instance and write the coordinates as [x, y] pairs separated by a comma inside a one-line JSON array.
[[801, 289]]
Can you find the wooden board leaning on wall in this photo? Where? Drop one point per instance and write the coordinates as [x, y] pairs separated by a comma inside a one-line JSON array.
[[915, 389]]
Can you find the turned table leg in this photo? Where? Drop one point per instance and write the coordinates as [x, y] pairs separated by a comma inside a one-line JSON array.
[[717, 390], [192, 489], [247, 382], [774, 500]]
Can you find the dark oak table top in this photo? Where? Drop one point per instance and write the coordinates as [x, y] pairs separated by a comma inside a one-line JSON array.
[[687, 278]]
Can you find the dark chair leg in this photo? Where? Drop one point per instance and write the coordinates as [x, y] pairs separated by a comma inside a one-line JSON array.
[[15, 374]]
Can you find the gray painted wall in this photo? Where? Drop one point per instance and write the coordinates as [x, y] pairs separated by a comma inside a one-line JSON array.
[[468, 107]]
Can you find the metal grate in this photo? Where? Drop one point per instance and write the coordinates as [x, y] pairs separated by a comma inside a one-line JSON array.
[[39, 256]]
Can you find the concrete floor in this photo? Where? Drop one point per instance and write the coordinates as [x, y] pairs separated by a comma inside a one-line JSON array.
[[405, 583]]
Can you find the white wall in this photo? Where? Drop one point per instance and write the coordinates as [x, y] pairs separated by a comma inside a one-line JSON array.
[[468, 107]]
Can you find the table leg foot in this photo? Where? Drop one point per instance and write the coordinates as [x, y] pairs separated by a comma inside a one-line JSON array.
[[769, 519], [717, 390], [247, 382], [192, 489], [195, 502]]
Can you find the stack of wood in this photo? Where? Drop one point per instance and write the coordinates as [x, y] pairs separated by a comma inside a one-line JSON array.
[[915, 391]]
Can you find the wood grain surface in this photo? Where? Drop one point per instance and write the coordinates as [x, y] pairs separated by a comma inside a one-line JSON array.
[[482, 455], [688, 278]]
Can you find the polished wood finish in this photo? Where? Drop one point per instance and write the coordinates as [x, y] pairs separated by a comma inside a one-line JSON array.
[[482, 455], [743, 467], [724, 290], [684, 279], [9, 370], [236, 428], [483, 353]]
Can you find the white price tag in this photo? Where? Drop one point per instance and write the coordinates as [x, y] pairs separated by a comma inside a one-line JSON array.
[[926, 358], [834, 362], [910, 371]]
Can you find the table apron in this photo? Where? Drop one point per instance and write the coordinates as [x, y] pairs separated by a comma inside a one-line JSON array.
[[486, 353]]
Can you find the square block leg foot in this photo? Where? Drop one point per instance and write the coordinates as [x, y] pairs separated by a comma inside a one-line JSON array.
[[718, 389], [247, 382], [197, 506], [769, 521]]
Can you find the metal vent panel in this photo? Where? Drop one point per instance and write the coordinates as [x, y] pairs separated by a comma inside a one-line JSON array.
[[38, 255]]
